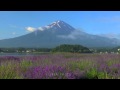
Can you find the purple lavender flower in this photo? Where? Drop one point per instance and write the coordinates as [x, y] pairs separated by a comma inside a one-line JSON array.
[[49, 72]]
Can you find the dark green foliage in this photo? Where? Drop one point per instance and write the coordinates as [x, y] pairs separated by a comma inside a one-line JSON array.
[[1, 50], [104, 50], [116, 49], [43, 50], [21, 50], [71, 48]]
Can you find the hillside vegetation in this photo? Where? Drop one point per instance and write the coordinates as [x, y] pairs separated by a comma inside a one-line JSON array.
[[71, 48]]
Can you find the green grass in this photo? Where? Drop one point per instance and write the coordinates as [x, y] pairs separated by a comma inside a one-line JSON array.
[[80, 65], [10, 70], [25, 64], [94, 74]]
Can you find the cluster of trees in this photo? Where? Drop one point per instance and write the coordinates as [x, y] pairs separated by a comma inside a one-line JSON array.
[[21, 50], [61, 48], [71, 48], [116, 49]]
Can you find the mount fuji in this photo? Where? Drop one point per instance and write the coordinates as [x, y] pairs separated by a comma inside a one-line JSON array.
[[57, 33]]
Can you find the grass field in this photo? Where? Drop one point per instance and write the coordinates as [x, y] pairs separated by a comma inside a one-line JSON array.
[[61, 66]]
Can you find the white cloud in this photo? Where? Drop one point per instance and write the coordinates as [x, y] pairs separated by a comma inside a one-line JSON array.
[[14, 33], [47, 27], [110, 35], [73, 35], [40, 28], [30, 29], [67, 36]]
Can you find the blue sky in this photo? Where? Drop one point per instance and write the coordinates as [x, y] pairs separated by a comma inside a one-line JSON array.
[[14, 23]]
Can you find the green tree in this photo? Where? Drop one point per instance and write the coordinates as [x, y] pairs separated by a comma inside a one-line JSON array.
[[71, 48]]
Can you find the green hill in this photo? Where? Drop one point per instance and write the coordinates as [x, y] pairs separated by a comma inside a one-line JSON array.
[[71, 48]]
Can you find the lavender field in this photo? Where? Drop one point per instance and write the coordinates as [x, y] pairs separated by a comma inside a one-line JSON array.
[[61, 66]]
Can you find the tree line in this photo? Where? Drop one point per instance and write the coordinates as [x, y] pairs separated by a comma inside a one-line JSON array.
[[61, 48]]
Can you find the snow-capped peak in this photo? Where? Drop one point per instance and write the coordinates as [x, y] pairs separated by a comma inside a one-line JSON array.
[[60, 24], [57, 25]]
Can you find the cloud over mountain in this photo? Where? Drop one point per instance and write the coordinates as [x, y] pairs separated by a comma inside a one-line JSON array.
[[110, 35], [73, 35], [30, 29]]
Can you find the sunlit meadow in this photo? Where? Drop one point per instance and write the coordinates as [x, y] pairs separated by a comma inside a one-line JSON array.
[[61, 66]]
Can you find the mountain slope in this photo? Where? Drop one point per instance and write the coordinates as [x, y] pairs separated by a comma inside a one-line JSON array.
[[56, 34]]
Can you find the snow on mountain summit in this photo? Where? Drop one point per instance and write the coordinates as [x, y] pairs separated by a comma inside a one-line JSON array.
[[57, 25]]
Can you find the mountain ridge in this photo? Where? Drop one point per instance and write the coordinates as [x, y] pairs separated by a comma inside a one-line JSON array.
[[57, 33]]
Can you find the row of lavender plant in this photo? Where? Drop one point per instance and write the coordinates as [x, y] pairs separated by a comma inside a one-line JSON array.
[[61, 66]]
